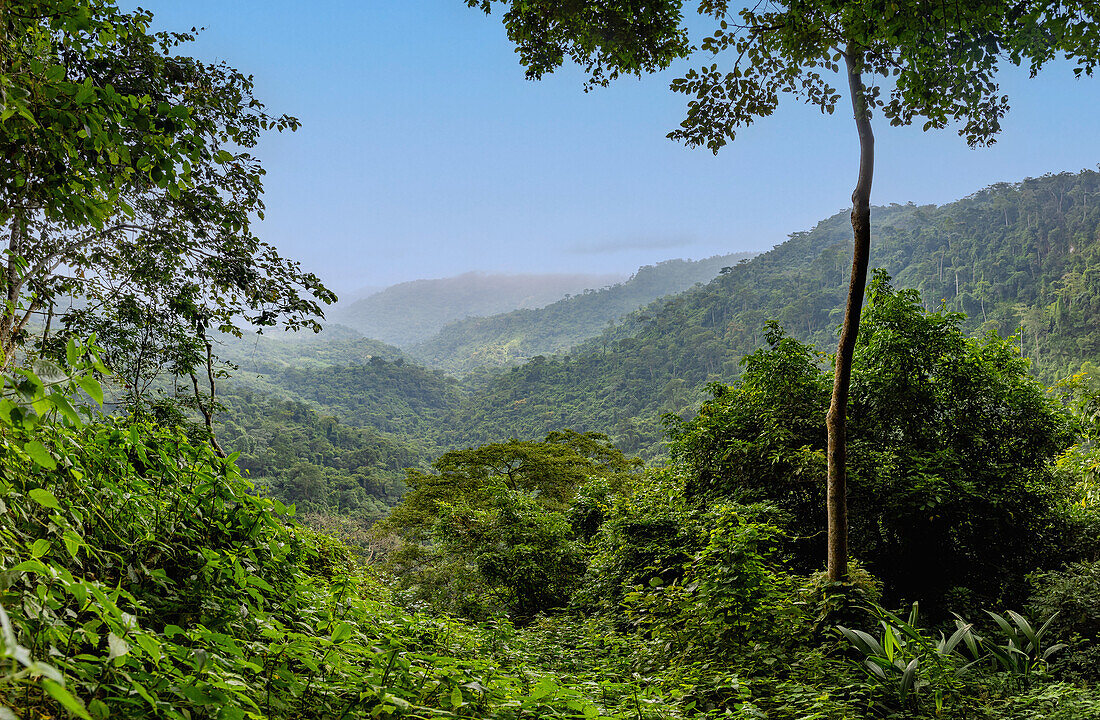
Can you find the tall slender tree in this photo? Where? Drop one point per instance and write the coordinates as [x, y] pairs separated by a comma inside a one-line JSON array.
[[933, 61]]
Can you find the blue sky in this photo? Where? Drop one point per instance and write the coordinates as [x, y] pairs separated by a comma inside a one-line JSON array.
[[424, 152]]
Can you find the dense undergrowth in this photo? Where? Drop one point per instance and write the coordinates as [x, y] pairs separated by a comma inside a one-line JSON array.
[[142, 576]]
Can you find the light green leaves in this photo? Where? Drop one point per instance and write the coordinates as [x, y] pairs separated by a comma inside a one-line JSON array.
[[91, 386], [45, 498], [65, 698], [342, 632], [41, 456]]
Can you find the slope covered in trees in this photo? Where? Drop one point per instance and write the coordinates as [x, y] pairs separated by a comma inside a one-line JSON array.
[[268, 353], [511, 338], [323, 466], [393, 397], [1016, 258], [411, 312], [1013, 256]]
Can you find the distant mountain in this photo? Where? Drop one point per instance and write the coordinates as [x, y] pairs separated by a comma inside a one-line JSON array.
[[412, 312], [275, 350], [514, 337], [1019, 258], [347, 297]]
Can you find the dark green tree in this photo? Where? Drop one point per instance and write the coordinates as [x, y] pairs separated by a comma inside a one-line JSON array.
[[952, 449], [489, 529], [906, 61]]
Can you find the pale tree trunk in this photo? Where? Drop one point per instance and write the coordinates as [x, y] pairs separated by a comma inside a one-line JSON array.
[[11, 289], [207, 410], [14, 315], [835, 422]]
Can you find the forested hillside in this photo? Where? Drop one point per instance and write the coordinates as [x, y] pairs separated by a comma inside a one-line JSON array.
[[393, 397], [1012, 256], [147, 573], [320, 464], [411, 312], [1016, 258], [511, 338], [335, 345]]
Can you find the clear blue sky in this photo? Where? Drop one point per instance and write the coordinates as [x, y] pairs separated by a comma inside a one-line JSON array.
[[424, 152]]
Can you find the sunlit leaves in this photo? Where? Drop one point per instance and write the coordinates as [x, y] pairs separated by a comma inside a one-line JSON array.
[[44, 498], [128, 178]]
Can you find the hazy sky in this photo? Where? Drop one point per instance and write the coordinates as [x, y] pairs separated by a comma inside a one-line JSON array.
[[424, 152]]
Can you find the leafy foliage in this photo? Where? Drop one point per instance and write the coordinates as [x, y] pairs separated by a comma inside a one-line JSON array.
[[315, 462], [488, 529], [130, 188], [142, 577], [951, 443], [1071, 598]]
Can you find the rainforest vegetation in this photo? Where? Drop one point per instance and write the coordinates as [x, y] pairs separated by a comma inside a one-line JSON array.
[[195, 523], [411, 312], [510, 338]]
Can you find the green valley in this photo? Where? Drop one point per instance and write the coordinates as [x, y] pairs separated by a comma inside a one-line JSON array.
[[511, 338], [521, 496]]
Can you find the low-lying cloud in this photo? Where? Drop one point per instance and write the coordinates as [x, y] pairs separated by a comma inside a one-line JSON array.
[[622, 244]]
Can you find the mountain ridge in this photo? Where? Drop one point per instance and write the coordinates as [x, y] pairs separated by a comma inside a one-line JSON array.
[[412, 311], [511, 338]]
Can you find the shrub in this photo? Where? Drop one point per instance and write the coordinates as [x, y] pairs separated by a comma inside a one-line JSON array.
[[1072, 595]]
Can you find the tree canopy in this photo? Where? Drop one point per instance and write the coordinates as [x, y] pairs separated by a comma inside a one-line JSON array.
[[129, 187], [492, 528], [907, 61], [952, 448]]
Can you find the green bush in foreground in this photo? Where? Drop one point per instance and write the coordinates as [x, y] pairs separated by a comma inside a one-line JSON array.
[[140, 577]]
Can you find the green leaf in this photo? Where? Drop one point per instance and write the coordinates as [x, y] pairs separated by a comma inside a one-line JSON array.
[[44, 498], [544, 687], [908, 676], [231, 712], [1053, 649], [41, 547], [40, 455], [150, 645], [259, 582], [73, 542], [1025, 627], [61, 695], [31, 566], [62, 403], [342, 632], [98, 709], [195, 695], [956, 638]]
